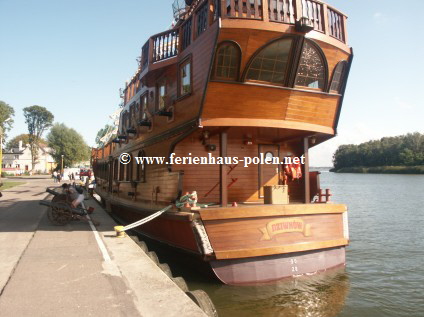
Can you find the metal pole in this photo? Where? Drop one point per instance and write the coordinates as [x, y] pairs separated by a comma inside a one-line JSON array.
[[61, 170]]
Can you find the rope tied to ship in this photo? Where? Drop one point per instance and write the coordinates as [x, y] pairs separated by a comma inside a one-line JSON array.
[[120, 230]]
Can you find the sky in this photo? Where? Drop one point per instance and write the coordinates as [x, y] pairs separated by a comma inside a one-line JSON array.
[[72, 56]]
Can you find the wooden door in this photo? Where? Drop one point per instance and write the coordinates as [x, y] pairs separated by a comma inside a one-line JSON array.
[[268, 173]]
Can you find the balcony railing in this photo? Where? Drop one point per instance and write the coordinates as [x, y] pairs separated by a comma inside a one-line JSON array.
[[203, 13], [244, 9], [322, 17], [313, 10], [336, 25], [282, 11], [165, 45]]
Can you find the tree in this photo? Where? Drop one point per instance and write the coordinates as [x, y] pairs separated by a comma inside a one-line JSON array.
[[102, 133], [38, 120], [69, 143], [6, 112], [14, 143]]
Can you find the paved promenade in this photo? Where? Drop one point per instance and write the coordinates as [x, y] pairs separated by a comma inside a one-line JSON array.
[[71, 270]]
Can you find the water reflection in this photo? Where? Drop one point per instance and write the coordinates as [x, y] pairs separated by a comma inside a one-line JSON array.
[[319, 295]]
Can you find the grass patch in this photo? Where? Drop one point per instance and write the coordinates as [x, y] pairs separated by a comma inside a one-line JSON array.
[[382, 170], [8, 185]]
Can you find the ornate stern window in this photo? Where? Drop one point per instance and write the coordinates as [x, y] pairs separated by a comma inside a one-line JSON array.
[[185, 78], [312, 68], [227, 62], [336, 81], [270, 64]]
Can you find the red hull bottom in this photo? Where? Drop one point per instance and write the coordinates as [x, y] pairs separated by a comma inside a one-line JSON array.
[[271, 268]]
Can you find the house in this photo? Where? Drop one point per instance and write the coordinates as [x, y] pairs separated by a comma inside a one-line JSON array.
[[17, 161]]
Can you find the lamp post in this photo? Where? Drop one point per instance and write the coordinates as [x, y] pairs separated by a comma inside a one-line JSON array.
[[61, 170]]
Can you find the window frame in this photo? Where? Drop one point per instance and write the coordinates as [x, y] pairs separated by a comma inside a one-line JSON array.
[[344, 65], [290, 59], [143, 108], [141, 169], [189, 60], [158, 85], [215, 63]]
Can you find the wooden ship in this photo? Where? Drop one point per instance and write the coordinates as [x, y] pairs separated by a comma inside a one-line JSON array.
[[235, 78]]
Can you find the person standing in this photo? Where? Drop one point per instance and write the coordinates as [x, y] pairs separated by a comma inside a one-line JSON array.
[[55, 176]]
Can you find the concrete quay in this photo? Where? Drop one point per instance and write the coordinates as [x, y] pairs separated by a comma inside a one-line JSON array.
[[71, 270]]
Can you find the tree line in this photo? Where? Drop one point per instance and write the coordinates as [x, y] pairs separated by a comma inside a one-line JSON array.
[[61, 139], [403, 150]]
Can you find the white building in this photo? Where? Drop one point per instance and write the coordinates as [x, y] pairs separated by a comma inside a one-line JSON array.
[[18, 160]]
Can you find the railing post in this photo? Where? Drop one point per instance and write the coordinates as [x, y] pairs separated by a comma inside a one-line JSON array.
[[344, 31], [223, 8], [325, 14], [265, 10], [150, 60], [299, 10]]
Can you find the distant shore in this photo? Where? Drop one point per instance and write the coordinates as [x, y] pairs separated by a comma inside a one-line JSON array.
[[382, 170]]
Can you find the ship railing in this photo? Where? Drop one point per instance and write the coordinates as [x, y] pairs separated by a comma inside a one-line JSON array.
[[165, 45], [322, 17], [168, 44]]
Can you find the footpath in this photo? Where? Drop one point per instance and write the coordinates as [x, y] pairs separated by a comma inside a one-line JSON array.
[[76, 269]]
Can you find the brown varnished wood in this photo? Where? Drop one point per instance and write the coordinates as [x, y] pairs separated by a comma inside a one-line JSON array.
[[243, 211], [233, 254], [269, 103]]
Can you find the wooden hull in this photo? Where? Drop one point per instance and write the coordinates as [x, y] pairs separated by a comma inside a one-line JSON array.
[[251, 244]]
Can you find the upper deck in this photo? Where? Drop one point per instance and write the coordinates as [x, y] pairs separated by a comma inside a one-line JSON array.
[[315, 17]]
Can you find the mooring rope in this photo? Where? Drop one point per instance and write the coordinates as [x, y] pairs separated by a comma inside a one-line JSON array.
[[144, 220]]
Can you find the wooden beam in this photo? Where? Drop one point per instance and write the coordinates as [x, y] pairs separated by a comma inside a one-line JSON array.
[[223, 190], [247, 253], [306, 170], [253, 211]]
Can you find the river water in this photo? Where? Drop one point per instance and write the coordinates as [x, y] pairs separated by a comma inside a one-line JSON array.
[[384, 275]]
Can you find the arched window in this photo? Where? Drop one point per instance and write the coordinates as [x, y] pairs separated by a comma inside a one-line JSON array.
[[311, 72], [336, 81], [270, 64], [227, 62], [141, 168]]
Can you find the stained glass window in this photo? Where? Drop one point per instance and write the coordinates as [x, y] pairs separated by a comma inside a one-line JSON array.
[[311, 71]]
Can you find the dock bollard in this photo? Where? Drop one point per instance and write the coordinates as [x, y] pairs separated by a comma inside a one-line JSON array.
[[120, 233]]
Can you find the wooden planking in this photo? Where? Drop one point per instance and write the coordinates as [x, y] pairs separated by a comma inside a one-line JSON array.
[[205, 178], [237, 254], [245, 235], [168, 229], [263, 102], [270, 211]]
